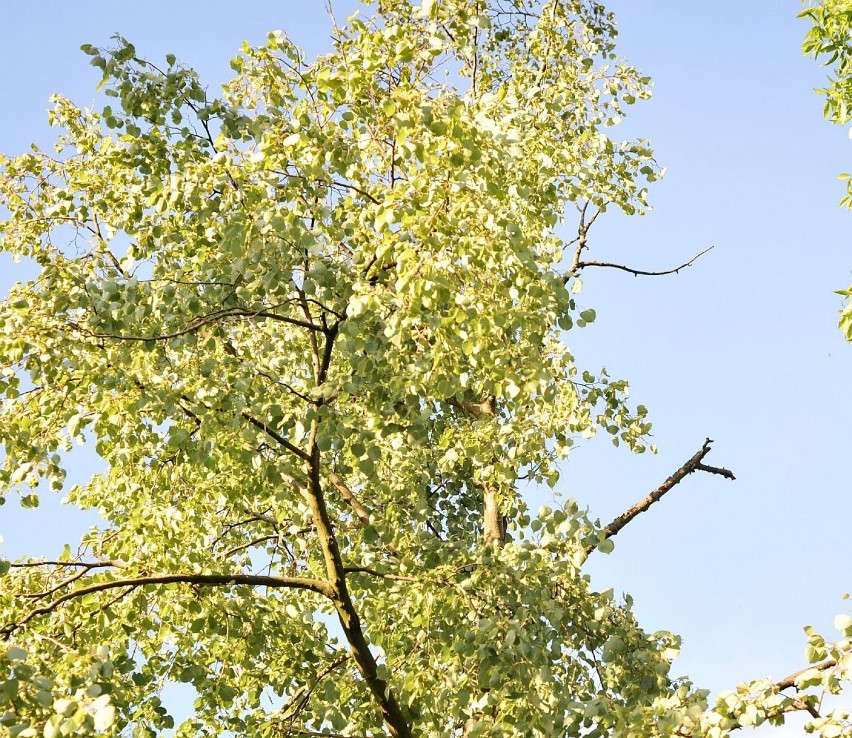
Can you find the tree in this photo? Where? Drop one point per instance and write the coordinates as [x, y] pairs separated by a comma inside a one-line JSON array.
[[313, 327], [829, 39]]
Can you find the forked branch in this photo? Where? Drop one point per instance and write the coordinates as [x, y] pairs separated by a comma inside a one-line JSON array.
[[696, 463], [788, 682], [582, 244]]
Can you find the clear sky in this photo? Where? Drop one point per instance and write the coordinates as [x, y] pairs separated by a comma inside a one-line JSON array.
[[742, 347]]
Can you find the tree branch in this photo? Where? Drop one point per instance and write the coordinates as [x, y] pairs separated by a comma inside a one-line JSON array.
[[200, 322], [797, 705], [379, 574], [694, 464], [292, 448], [493, 520], [82, 564], [250, 544], [302, 695], [205, 580], [635, 272], [350, 497], [347, 614], [582, 237], [790, 681], [82, 567]]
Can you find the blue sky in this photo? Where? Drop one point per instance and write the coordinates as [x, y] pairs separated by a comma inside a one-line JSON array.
[[742, 347]]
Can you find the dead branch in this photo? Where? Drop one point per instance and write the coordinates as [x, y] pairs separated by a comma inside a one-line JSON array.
[[694, 464], [582, 237], [630, 270]]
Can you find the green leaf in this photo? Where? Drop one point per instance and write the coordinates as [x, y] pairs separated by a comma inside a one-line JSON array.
[[843, 623], [15, 654]]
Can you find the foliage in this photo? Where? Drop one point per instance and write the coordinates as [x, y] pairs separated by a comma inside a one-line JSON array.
[[314, 328], [830, 40]]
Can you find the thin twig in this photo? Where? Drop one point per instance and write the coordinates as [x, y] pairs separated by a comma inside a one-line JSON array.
[[84, 564], [635, 272], [249, 544], [380, 574], [306, 691]]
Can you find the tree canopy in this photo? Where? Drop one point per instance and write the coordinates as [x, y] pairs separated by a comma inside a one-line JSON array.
[[315, 327]]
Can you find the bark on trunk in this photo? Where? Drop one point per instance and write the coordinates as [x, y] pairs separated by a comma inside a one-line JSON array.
[[493, 523]]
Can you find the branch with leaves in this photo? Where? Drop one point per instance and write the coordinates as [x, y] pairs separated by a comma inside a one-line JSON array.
[[201, 580]]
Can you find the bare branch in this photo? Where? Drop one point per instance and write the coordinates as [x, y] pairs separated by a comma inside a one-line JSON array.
[[694, 464], [582, 237], [635, 272]]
